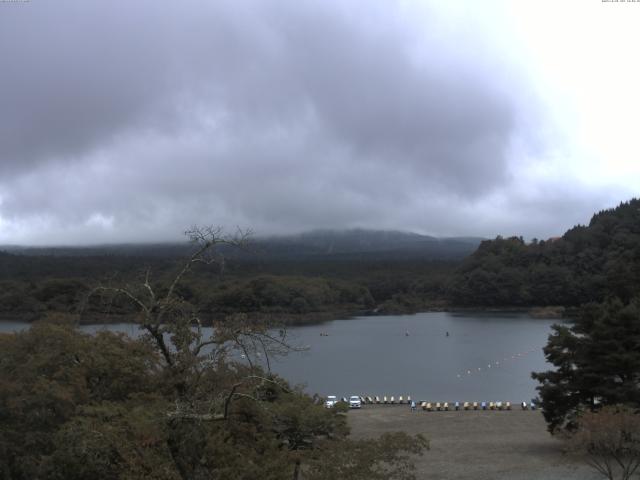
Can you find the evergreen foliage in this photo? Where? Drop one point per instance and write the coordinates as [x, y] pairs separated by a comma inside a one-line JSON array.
[[307, 289], [597, 360], [587, 264]]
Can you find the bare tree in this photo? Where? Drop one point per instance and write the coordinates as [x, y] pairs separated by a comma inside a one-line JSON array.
[[175, 329], [610, 439], [212, 406]]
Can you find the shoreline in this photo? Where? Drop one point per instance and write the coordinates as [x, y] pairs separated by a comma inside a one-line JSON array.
[[318, 318]]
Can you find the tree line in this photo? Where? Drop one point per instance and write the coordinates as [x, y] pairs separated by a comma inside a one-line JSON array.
[[32, 287], [173, 404], [592, 395], [587, 264]]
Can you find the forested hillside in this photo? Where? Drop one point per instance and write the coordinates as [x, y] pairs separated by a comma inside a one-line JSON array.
[[588, 263], [310, 277], [324, 274]]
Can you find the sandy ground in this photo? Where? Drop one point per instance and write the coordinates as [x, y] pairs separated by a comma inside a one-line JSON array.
[[479, 445]]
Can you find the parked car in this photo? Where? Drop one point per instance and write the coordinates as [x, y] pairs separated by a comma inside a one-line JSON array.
[[354, 402], [331, 401]]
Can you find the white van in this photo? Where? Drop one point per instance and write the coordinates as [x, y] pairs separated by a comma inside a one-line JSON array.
[[354, 402], [331, 401]]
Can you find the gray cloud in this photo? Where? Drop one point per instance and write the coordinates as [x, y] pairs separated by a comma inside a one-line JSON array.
[[130, 121]]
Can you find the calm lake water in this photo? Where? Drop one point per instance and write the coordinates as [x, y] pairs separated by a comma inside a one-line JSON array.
[[487, 356]]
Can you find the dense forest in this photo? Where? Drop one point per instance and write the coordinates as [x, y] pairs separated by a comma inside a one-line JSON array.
[[173, 404], [302, 278], [325, 275], [587, 264]]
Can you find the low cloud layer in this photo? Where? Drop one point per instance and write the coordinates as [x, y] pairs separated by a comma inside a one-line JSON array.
[[132, 121]]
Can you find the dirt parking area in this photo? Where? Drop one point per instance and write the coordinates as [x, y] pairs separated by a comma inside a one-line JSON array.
[[479, 445]]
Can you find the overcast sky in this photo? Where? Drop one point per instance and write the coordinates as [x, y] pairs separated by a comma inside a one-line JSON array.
[[130, 121]]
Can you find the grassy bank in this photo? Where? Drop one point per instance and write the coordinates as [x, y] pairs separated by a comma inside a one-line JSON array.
[[476, 445]]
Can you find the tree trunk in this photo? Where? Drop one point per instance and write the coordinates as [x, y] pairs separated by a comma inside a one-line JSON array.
[[296, 470]]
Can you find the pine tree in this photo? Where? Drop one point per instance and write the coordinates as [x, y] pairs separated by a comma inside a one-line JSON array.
[[597, 362]]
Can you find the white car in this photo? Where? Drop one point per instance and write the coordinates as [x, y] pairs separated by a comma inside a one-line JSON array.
[[331, 401], [354, 402]]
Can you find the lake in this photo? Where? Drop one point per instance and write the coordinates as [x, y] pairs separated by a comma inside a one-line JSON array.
[[487, 356]]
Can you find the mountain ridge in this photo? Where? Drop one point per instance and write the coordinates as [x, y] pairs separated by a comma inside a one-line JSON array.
[[321, 242]]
